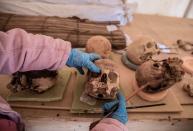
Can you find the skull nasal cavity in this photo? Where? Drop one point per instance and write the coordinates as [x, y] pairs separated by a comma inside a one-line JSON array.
[[104, 78], [156, 65], [100, 95]]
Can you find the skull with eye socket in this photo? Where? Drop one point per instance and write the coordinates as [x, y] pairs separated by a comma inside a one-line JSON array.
[[103, 85], [142, 50], [159, 75]]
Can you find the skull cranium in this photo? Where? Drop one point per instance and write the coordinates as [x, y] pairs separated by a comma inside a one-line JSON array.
[[100, 45], [159, 75], [142, 50]]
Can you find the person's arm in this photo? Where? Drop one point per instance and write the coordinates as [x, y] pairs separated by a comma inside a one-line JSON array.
[[22, 51], [118, 119]]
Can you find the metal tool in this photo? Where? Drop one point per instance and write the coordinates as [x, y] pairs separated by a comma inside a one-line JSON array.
[[114, 108], [144, 106]]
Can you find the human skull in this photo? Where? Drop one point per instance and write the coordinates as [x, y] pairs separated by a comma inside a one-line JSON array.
[[99, 45], [187, 84], [104, 85], [185, 45], [189, 89], [142, 50], [159, 75]]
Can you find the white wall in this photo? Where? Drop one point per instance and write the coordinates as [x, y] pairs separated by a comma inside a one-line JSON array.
[[177, 8], [165, 7], [190, 10]]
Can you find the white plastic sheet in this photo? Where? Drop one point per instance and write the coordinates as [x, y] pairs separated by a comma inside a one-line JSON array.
[[99, 2], [96, 10]]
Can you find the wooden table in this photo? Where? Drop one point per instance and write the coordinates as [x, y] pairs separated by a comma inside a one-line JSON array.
[[162, 29], [165, 30]]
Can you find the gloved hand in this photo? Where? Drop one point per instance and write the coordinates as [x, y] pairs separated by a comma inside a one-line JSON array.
[[121, 113], [80, 59]]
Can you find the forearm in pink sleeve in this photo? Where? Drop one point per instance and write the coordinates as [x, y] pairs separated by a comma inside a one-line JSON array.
[[22, 51], [109, 124]]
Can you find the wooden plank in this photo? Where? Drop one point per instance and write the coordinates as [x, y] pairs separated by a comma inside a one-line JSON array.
[[126, 76], [64, 104], [53, 94], [81, 107]]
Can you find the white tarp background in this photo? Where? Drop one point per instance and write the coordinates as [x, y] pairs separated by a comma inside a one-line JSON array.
[[96, 10]]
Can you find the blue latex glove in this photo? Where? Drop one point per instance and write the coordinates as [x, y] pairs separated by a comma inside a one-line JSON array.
[[121, 113], [80, 59]]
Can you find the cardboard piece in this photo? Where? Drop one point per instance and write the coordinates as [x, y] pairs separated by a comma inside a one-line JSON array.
[[53, 94], [81, 107], [63, 104]]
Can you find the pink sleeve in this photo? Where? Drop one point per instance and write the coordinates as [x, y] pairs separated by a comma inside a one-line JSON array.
[[22, 51], [109, 124]]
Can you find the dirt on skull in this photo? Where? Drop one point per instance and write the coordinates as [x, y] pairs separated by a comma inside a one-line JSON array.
[[160, 75], [142, 50], [103, 85]]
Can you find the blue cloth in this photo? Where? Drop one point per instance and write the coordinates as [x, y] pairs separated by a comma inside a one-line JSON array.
[[121, 113], [80, 59]]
